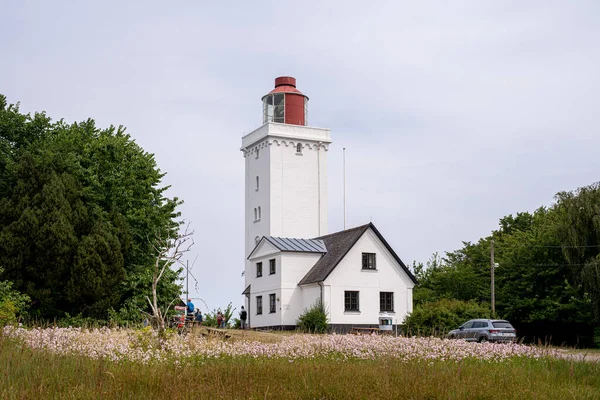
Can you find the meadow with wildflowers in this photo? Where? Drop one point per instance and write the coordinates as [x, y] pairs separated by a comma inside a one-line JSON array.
[[127, 363]]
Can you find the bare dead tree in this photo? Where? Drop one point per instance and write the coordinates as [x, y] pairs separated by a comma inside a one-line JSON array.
[[169, 252]]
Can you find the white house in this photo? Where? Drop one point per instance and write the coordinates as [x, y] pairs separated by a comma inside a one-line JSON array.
[[291, 260]]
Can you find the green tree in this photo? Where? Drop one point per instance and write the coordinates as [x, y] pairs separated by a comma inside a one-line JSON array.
[[12, 303], [77, 207]]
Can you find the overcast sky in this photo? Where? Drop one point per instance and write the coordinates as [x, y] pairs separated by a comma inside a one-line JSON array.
[[453, 114]]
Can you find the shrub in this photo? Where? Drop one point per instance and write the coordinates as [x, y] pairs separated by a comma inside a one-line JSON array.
[[12, 303], [439, 317], [314, 319]]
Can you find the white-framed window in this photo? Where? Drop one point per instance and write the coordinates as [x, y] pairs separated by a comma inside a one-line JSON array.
[[257, 183], [386, 301], [272, 269], [368, 261], [351, 300], [272, 304], [258, 305], [299, 148], [255, 214], [257, 153], [259, 213], [258, 269]]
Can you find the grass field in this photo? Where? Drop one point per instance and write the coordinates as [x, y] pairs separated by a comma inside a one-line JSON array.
[[38, 373]]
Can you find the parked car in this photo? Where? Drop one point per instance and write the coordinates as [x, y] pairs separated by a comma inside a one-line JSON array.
[[484, 330]]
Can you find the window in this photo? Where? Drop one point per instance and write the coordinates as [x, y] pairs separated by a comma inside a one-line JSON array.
[[480, 324], [279, 112], [299, 148], [468, 325], [351, 300], [274, 108], [257, 183], [259, 213], [502, 324], [272, 303], [271, 267], [259, 304], [386, 301], [255, 215], [257, 153], [258, 270], [368, 261]]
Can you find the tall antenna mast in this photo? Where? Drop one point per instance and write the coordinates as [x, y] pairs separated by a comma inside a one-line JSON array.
[[344, 188]]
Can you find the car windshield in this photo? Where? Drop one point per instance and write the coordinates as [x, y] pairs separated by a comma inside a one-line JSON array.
[[502, 324]]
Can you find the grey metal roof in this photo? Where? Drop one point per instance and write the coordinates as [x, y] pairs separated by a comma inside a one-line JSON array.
[[300, 245]]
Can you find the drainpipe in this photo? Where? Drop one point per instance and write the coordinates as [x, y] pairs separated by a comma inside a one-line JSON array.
[[321, 286]]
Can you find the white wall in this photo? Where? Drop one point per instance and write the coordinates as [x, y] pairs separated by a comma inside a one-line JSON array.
[[349, 275], [298, 189], [295, 266], [263, 286], [293, 188]]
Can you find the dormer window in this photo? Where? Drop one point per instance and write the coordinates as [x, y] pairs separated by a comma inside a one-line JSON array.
[[299, 148]]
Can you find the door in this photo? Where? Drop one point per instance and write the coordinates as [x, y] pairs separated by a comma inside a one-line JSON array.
[[466, 328]]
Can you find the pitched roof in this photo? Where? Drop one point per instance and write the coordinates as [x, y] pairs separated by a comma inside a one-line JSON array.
[[247, 290], [293, 245], [303, 245], [338, 245]]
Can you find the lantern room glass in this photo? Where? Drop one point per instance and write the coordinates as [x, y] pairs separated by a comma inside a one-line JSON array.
[[274, 108]]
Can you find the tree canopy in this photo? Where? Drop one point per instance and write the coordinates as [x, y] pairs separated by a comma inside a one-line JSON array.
[[79, 206], [548, 265]]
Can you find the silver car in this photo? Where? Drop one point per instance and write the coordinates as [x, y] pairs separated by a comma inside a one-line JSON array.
[[484, 330]]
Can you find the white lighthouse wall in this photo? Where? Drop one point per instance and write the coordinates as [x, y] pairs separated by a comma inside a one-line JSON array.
[[298, 189], [255, 198], [349, 275]]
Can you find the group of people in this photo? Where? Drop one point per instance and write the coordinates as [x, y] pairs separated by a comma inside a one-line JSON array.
[[195, 314]]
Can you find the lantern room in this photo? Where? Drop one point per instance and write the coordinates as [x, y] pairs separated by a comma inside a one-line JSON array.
[[285, 104]]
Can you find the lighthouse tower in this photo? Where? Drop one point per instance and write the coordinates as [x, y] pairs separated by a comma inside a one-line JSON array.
[[286, 170]]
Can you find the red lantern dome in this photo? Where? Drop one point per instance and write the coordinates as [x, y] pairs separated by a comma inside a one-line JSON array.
[[285, 104]]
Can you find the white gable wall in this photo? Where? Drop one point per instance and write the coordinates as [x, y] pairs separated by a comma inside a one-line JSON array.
[[263, 286], [349, 275], [295, 266]]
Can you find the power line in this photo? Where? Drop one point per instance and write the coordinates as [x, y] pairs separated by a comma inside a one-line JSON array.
[[550, 247]]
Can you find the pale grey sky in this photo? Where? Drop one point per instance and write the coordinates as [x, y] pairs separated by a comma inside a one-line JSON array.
[[453, 114]]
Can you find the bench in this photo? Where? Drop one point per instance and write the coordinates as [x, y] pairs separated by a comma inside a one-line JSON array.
[[359, 331]]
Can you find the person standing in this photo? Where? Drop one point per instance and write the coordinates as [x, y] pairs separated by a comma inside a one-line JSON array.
[[219, 319], [243, 317]]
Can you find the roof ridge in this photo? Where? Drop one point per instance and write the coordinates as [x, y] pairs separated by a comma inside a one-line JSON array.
[[345, 231]]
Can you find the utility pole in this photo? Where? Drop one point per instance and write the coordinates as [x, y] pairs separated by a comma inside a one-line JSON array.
[[344, 188], [187, 279], [492, 266]]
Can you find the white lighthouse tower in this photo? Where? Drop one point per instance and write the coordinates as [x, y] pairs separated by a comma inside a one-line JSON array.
[[291, 260], [286, 170]]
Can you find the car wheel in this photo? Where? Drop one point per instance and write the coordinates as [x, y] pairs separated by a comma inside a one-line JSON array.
[[482, 339]]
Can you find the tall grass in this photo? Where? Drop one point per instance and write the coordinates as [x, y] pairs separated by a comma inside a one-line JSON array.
[[27, 373]]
